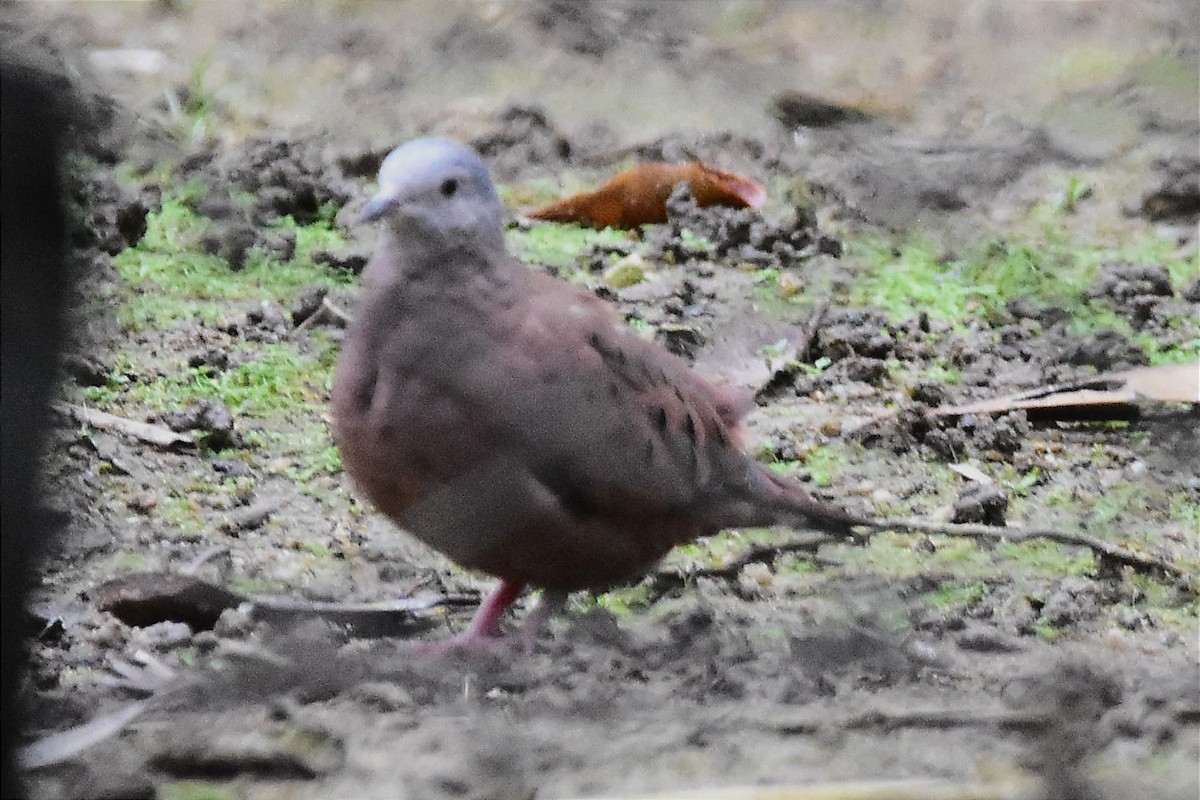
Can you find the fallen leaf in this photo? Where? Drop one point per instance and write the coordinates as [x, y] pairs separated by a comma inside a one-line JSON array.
[[800, 110], [159, 435], [972, 473], [1169, 383], [59, 747], [638, 196], [1106, 397], [403, 617], [146, 598]]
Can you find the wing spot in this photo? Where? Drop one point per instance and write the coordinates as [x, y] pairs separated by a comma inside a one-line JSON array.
[[660, 419], [689, 427]]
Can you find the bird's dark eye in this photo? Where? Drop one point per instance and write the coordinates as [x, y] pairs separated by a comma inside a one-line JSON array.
[[449, 187]]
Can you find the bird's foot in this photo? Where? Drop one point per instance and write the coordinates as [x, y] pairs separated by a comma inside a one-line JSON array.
[[466, 643], [483, 636]]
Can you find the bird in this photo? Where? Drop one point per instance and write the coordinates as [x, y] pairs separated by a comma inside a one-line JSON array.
[[512, 421]]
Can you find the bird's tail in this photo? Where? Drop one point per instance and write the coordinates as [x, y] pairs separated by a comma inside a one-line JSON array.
[[775, 500]]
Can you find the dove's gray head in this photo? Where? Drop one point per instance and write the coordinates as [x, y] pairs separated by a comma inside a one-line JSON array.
[[437, 191]]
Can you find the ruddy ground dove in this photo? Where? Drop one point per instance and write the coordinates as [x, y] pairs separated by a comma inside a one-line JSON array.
[[513, 422]]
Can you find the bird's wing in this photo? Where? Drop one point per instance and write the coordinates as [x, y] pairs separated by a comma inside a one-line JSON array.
[[609, 422]]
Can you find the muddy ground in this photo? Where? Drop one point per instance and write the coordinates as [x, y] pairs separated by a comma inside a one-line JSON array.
[[1003, 195]]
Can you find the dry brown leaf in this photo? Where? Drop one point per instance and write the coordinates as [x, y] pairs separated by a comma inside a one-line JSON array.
[[1105, 397], [1169, 383], [638, 196], [146, 598]]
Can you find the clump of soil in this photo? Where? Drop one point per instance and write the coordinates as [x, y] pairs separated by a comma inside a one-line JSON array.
[[736, 234]]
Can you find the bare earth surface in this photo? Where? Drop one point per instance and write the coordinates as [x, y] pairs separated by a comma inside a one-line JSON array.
[[1016, 206]]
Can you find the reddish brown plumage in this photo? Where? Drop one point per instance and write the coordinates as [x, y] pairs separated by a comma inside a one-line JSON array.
[[513, 421], [639, 195]]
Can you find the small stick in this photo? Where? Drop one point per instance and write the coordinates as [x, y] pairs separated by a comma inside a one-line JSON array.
[[1017, 787], [326, 309], [336, 312], [809, 542], [1013, 533], [159, 435], [886, 720], [804, 345]]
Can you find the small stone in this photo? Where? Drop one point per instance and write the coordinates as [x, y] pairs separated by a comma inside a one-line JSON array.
[[882, 496], [234, 623], [279, 244], [981, 503], [1191, 292], [214, 358], [628, 271], [756, 576], [1131, 619], [232, 244], [1074, 600], [987, 640], [351, 258], [163, 636], [249, 518], [682, 340], [213, 420], [382, 696], [268, 315], [930, 393], [85, 370], [789, 284], [307, 303], [1107, 349], [143, 503]]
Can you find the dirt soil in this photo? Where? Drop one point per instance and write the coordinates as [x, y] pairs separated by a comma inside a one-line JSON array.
[[1033, 667]]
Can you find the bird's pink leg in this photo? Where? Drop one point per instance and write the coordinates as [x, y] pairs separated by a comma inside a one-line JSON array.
[[549, 604], [484, 631], [486, 622]]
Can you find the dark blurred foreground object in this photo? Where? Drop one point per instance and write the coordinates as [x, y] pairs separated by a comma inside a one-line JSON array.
[[32, 289]]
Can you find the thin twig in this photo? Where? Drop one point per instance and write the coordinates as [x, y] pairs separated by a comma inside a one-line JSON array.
[[1016, 787], [159, 435], [326, 309], [887, 720], [1012, 533], [947, 718], [337, 313], [804, 346], [206, 555], [665, 580]]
